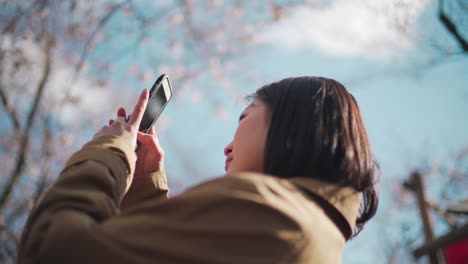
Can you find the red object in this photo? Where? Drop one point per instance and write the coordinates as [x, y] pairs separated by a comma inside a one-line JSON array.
[[456, 253]]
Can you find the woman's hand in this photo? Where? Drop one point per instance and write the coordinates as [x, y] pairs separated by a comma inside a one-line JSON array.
[[150, 154], [126, 128]]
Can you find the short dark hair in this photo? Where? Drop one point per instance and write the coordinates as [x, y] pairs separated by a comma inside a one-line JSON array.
[[316, 131]]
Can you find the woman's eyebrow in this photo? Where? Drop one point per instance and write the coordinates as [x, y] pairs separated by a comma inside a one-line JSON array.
[[252, 104], [243, 112]]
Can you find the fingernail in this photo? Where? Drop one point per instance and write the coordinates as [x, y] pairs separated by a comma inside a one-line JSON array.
[[121, 111]]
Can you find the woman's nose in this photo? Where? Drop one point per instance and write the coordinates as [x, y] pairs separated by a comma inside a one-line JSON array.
[[228, 149]]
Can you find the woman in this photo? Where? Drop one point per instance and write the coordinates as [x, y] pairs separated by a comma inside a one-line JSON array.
[[300, 183]]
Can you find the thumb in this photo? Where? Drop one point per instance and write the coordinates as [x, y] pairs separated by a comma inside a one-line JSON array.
[[143, 137], [152, 131]]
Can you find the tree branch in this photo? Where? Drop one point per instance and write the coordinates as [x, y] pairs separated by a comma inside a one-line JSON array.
[[12, 24], [24, 140], [452, 28], [100, 25], [11, 236], [48, 154], [11, 111]]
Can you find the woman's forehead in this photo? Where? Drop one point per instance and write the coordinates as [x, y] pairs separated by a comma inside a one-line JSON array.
[[259, 106], [256, 103]]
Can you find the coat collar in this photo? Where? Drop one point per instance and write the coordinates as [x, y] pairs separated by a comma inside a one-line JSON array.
[[345, 199]]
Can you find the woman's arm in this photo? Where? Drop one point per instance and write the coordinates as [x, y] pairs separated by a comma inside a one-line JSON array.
[[152, 186], [149, 181], [88, 192], [223, 221]]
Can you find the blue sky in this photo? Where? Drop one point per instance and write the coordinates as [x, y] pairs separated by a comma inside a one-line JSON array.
[[410, 108]]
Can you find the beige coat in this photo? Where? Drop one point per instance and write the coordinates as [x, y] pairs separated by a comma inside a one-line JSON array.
[[240, 218]]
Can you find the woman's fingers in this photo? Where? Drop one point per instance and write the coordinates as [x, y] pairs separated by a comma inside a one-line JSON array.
[[121, 112], [150, 137], [142, 137], [145, 138], [139, 109], [121, 119], [152, 131], [121, 116]]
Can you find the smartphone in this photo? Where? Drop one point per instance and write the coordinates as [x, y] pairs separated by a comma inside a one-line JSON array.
[[159, 96]]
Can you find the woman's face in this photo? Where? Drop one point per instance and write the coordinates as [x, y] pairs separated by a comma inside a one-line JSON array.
[[246, 152]]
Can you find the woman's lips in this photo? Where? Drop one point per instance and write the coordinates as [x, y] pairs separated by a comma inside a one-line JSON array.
[[226, 165]]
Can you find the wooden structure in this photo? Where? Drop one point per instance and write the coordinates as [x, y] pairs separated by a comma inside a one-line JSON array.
[[434, 246]]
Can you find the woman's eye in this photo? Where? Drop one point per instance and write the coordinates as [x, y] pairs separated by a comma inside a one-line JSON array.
[[241, 117]]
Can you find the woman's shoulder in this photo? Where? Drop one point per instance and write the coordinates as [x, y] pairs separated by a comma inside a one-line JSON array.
[[263, 190], [249, 182]]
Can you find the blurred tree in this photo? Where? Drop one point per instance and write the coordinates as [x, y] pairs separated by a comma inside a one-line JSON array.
[[58, 59]]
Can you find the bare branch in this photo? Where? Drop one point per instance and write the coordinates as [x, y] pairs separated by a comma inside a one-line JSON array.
[[11, 111], [452, 28], [48, 154], [90, 39], [24, 141], [9, 107], [11, 237], [10, 26]]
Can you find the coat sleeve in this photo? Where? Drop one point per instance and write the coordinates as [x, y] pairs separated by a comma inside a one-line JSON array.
[[227, 220], [87, 192], [150, 187]]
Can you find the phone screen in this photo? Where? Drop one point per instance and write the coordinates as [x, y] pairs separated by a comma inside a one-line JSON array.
[[156, 104]]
